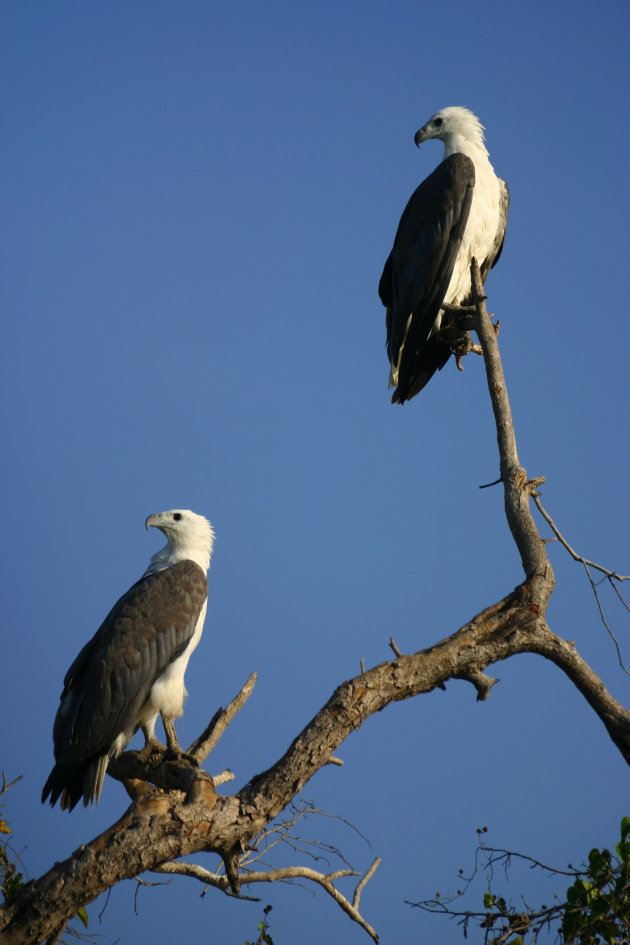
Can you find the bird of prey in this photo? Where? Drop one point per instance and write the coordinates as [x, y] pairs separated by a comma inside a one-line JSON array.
[[457, 213], [133, 667]]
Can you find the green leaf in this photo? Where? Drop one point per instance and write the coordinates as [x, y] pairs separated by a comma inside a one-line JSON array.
[[82, 914], [623, 847], [12, 883]]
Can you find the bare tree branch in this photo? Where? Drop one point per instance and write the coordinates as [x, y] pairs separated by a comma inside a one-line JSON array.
[[574, 554], [524, 532], [356, 899], [208, 740], [611, 576], [4, 787], [182, 814], [161, 827], [286, 874]]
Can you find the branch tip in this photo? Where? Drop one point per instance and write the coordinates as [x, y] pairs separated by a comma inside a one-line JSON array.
[[482, 683], [496, 482], [223, 777], [367, 876], [208, 740]]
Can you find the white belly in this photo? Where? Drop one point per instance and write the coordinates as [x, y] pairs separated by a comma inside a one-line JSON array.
[[168, 691]]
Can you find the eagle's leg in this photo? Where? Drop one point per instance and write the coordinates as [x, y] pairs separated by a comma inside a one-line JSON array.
[[173, 746], [171, 736]]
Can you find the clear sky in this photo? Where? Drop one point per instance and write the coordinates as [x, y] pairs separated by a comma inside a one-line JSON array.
[[198, 199]]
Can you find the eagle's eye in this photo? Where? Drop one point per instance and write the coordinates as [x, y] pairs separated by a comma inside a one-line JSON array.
[[438, 122], [177, 516]]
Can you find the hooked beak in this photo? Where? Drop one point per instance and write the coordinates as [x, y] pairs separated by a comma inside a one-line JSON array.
[[420, 136], [153, 521]]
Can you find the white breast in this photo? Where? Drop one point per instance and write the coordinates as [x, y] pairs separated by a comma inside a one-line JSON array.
[[480, 232], [168, 692]]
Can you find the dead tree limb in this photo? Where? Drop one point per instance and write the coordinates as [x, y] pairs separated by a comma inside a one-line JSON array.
[[162, 827], [516, 492], [208, 740], [286, 874], [184, 815]]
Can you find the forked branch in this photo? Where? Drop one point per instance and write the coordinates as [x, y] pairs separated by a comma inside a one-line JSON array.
[[285, 874], [183, 814]]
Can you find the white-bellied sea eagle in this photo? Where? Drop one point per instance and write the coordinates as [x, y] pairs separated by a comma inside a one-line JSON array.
[[457, 213], [133, 667]]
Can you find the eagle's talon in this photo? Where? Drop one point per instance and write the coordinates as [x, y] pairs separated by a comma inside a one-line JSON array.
[[151, 747], [179, 755]]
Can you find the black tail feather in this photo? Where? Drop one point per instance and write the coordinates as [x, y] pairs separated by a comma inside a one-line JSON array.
[[73, 782]]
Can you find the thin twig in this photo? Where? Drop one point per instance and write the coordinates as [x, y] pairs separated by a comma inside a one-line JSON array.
[[572, 552], [603, 619], [618, 593], [612, 576], [498, 854], [282, 832], [367, 876]]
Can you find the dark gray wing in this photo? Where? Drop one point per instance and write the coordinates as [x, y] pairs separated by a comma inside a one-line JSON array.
[[497, 246], [419, 268], [108, 683]]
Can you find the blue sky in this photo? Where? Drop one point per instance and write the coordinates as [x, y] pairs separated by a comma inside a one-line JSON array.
[[198, 201]]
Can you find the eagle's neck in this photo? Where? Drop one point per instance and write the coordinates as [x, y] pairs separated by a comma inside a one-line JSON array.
[[197, 549], [473, 147]]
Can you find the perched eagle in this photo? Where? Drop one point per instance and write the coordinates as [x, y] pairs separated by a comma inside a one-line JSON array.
[[133, 667], [457, 213]]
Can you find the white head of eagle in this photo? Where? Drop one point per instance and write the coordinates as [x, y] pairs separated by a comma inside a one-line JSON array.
[[132, 670], [457, 213]]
